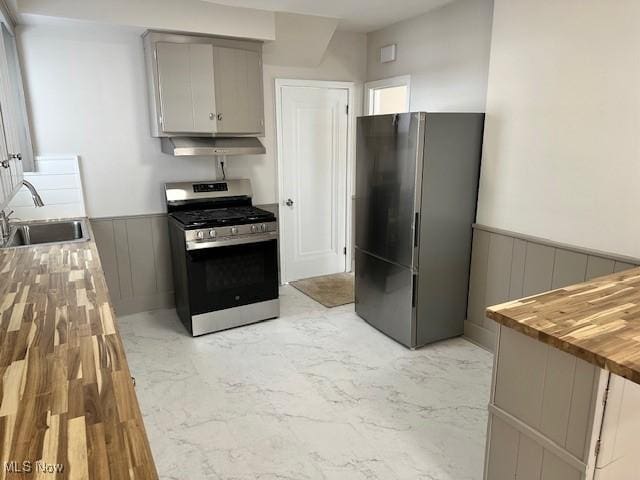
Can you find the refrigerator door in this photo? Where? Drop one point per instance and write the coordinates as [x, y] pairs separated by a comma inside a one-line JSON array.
[[388, 175], [384, 297]]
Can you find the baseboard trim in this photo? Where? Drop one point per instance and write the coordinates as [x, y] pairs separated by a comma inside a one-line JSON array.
[[483, 337]]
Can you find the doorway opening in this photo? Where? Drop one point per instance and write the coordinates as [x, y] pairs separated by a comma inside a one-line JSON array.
[[390, 95]]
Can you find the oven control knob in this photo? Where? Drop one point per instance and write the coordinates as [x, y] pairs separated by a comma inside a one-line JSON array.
[[263, 228], [200, 235], [212, 234], [254, 228], [234, 231]]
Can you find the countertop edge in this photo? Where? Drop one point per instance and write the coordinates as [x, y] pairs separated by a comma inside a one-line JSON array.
[[580, 352], [97, 272]]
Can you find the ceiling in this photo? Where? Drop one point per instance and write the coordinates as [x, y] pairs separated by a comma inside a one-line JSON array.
[[354, 15]]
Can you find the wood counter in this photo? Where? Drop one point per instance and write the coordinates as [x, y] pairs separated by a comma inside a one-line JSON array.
[[597, 321], [565, 394], [66, 392]]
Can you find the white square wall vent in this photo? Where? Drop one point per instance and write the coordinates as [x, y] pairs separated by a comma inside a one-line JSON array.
[[388, 53]]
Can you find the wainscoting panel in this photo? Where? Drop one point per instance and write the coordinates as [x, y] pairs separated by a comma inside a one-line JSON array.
[[538, 269], [507, 265], [569, 268], [597, 267], [516, 286], [136, 258]]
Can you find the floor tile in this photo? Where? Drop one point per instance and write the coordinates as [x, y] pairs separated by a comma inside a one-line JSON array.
[[314, 394]]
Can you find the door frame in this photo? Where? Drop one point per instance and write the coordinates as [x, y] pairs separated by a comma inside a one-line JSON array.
[[350, 87]]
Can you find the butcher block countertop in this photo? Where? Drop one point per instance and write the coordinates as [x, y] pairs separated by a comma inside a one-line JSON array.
[[597, 321], [68, 400]]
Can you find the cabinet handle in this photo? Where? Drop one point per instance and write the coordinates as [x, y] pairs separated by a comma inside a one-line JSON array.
[[211, 116], [219, 117], [17, 156], [5, 163]]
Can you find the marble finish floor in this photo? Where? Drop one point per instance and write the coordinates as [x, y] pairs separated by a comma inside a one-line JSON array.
[[315, 394]]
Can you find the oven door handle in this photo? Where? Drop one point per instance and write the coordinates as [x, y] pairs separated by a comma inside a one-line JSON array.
[[226, 242]]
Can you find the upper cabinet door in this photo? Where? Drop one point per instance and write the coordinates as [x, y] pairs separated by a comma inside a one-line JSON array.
[[187, 98], [238, 89]]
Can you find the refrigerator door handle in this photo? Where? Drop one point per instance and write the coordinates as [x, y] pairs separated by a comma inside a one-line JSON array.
[[416, 231], [414, 282]]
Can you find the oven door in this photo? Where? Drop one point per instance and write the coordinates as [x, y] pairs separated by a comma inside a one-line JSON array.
[[231, 275]]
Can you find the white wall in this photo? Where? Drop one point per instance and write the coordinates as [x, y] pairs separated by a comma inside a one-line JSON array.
[[562, 136], [345, 60], [446, 52], [87, 96], [302, 40]]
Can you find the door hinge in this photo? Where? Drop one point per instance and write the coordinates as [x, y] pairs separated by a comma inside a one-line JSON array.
[[605, 396], [344, 250], [347, 109]]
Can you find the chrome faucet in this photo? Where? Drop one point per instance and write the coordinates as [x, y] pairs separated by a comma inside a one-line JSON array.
[[5, 226], [37, 201]]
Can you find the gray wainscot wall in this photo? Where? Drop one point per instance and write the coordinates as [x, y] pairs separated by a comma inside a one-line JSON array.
[[136, 260], [507, 265], [504, 266]]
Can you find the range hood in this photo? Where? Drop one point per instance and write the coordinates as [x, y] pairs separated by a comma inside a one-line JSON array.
[[192, 146]]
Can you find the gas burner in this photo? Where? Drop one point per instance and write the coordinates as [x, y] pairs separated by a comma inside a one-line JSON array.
[[216, 217]]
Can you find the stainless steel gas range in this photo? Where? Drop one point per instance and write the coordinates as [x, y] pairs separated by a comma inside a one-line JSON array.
[[224, 253]]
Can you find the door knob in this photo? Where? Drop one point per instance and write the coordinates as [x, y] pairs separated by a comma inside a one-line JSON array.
[[289, 202]]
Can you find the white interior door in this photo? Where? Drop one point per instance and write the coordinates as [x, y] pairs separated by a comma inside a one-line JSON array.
[[313, 161]]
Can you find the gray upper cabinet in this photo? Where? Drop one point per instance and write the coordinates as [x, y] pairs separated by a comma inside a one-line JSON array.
[[238, 90], [185, 74], [204, 86]]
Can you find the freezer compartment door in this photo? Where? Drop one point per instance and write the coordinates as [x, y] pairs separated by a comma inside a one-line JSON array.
[[388, 158], [384, 297]]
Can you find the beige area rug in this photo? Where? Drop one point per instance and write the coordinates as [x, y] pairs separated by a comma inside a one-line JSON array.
[[329, 290]]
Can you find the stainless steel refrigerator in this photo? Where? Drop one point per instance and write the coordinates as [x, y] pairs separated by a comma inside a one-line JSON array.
[[416, 194]]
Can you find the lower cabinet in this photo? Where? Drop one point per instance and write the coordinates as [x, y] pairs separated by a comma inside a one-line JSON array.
[[553, 416]]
